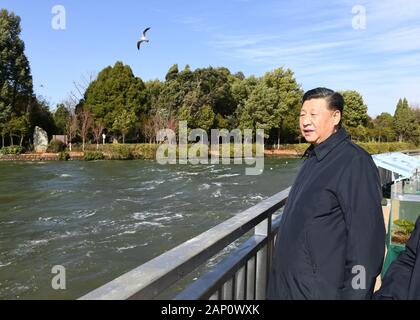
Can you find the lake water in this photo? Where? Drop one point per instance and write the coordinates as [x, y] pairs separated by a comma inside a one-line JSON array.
[[102, 219]]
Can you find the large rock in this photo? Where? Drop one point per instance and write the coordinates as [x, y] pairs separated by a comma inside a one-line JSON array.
[[40, 140]]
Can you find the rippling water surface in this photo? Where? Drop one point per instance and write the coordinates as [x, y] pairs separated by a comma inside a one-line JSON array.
[[101, 219]]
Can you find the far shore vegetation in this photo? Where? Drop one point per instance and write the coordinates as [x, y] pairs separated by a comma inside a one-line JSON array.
[[130, 111], [138, 151]]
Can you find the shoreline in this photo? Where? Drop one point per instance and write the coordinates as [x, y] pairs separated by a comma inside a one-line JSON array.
[[79, 156]]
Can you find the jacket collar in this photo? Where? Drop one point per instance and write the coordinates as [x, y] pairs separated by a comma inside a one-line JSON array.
[[325, 147]]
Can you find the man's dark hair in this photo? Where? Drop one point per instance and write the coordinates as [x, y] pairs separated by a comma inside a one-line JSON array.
[[334, 99]]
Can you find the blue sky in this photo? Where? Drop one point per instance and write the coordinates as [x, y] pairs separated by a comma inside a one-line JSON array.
[[313, 38]]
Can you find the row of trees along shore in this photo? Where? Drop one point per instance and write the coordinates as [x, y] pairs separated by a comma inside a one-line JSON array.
[[130, 110]]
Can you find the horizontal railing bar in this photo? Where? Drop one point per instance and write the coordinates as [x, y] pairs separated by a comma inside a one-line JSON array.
[[151, 278]]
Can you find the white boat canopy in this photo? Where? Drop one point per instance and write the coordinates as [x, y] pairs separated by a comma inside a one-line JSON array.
[[400, 165]]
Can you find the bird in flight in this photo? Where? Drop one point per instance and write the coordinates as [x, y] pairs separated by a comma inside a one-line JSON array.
[[143, 38]]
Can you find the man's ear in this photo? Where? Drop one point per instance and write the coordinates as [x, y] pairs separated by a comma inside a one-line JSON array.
[[337, 117]]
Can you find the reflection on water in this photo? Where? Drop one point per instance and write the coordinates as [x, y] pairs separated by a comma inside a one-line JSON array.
[[101, 219]]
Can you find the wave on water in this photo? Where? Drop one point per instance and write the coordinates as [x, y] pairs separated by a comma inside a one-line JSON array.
[[256, 197], [8, 222], [172, 195], [50, 220], [218, 184], [216, 194], [35, 243], [204, 186], [141, 215], [133, 200], [176, 179], [142, 189], [5, 264], [170, 218], [29, 246], [58, 192], [227, 175], [125, 248], [157, 170], [217, 170], [148, 224], [127, 232], [84, 213], [155, 182], [183, 173], [65, 235], [65, 175]]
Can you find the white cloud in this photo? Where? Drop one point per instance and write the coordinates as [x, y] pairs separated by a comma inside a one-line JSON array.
[[382, 61]]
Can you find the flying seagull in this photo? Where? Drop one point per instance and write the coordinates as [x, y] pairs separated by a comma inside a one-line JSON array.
[[143, 38]]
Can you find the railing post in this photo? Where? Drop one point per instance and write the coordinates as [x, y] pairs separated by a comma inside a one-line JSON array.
[[240, 284], [263, 259], [250, 282], [227, 290]]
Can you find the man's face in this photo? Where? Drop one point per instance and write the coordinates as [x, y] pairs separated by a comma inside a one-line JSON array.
[[317, 122]]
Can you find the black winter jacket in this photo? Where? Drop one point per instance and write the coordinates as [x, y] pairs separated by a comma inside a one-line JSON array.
[[331, 240]]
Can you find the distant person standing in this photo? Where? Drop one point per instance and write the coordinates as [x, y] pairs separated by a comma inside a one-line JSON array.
[[332, 228]]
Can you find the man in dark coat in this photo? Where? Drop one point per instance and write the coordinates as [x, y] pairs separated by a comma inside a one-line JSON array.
[[402, 279], [331, 240]]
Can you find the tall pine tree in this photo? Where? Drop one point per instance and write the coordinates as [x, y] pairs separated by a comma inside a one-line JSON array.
[[16, 90]]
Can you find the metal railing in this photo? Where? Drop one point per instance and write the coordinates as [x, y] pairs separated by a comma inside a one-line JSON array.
[[241, 275]]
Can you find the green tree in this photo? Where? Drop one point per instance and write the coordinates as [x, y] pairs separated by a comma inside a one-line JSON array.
[[241, 90], [170, 98], [214, 89], [288, 95], [360, 133], [172, 73], [41, 116], [124, 122], [205, 118], [221, 122], [355, 110], [116, 89], [16, 90], [259, 109], [61, 118], [384, 127], [19, 126], [184, 114], [5, 116], [404, 120]]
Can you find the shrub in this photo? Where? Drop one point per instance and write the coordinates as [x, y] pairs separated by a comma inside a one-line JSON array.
[[405, 226], [11, 150], [63, 156], [93, 155], [384, 147], [56, 146], [300, 148], [122, 152]]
